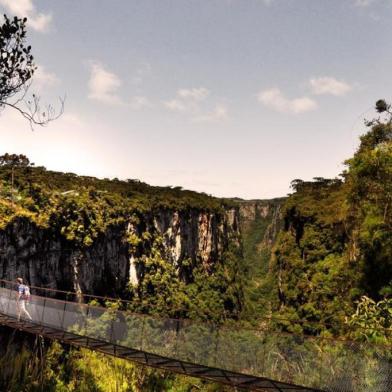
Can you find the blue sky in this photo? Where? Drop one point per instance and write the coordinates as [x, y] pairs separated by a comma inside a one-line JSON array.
[[229, 97]]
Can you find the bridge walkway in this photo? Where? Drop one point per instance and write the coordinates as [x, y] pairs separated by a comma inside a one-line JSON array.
[[248, 359]]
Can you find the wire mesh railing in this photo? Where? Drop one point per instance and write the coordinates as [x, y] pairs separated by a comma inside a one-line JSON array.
[[322, 364]]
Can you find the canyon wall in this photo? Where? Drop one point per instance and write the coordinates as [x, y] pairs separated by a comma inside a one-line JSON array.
[[116, 258]]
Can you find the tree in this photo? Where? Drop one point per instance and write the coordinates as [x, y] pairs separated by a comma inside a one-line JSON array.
[[382, 106], [369, 181], [17, 68], [13, 161], [372, 320]]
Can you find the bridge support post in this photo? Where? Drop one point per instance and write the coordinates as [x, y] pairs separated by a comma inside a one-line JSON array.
[[142, 334], [63, 316], [112, 329], [9, 301], [43, 312]]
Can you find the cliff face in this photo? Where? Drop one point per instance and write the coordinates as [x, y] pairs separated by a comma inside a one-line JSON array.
[[196, 236], [262, 217], [117, 257], [260, 222], [45, 258]]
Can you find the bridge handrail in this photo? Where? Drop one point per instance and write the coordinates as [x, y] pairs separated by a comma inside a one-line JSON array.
[[234, 326], [128, 302]]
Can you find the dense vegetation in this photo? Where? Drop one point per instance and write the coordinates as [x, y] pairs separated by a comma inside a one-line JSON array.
[[258, 234], [37, 191], [336, 245], [80, 209], [215, 296]]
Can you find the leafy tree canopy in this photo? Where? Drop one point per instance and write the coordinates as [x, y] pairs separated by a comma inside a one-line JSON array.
[[337, 241], [17, 68], [14, 160], [16, 61]]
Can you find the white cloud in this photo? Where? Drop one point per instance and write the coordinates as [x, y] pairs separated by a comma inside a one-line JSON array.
[[276, 100], [329, 85], [25, 8], [190, 102], [43, 78], [198, 94], [177, 105], [187, 100], [103, 85], [220, 113], [139, 102]]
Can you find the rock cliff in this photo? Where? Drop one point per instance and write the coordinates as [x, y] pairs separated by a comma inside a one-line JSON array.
[[116, 258], [262, 216], [260, 222]]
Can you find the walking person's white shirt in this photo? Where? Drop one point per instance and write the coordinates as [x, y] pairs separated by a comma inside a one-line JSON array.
[[21, 301]]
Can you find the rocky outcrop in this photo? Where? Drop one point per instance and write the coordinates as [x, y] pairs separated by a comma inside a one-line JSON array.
[[46, 259], [200, 237], [115, 259], [264, 215]]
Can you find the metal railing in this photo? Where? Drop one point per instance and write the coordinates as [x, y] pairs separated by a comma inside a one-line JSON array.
[[284, 361]]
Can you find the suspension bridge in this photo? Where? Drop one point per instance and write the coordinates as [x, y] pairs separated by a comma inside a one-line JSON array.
[[247, 359]]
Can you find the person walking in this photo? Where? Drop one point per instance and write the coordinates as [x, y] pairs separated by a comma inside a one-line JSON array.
[[22, 297]]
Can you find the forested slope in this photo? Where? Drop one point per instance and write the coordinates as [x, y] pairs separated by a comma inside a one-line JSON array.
[[336, 244]]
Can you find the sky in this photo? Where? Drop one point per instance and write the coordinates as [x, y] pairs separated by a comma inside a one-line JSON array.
[[234, 98]]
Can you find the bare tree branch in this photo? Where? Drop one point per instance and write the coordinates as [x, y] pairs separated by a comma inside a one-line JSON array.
[[34, 115], [17, 68]]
